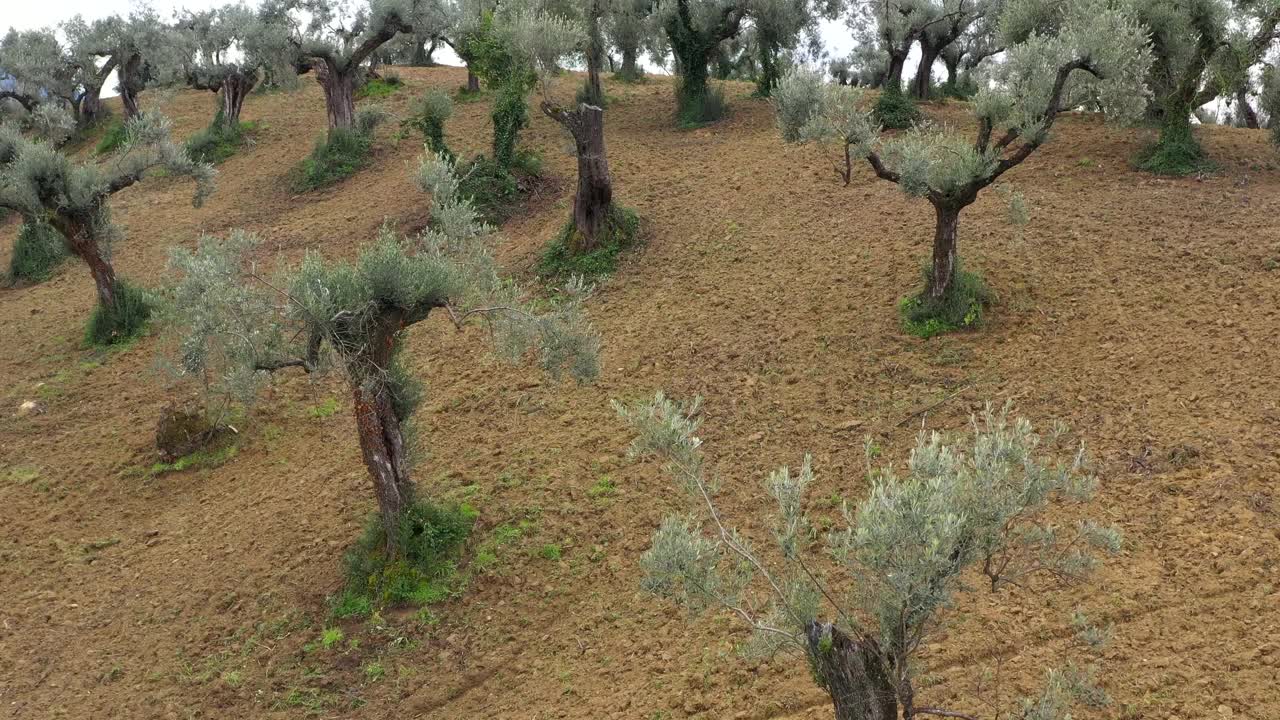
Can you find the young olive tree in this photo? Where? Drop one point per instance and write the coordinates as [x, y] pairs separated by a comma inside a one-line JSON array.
[[1097, 54], [43, 184], [236, 326], [979, 506]]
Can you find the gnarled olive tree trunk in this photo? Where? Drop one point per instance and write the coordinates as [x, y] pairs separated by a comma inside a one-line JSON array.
[[382, 445], [339, 96], [235, 88], [852, 672], [593, 201], [77, 233]]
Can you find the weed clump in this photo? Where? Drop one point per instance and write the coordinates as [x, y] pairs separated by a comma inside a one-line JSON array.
[[113, 139], [37, 252], [219, 141], [335, 157], [428, 117], [694, 110], [123, 320], [379, 87], [960, 309], [622, 228], [896, 111], [431, 538], [1176, 152]]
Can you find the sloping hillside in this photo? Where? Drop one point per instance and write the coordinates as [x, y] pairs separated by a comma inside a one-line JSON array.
[[1141, 311]]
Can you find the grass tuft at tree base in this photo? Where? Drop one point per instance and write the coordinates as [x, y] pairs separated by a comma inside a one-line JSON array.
[[114, 137], [219, 141], [431, 539], [122, 321], [621, 230], [695, 111], [961, 308], [1175, 153], [896, 111], [337, 156], [495, 191], [37, 252], [380, 87]]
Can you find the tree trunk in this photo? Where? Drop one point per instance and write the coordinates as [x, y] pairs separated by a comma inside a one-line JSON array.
[[924, 72], [693, 80], [630, 66], [383, 451], [852, 672], [768, 68], [339, 96], [130, 86], [1244, 111], [893, 78], [80, 241], [473, 82], [593, 202], [235, 88], [943, 268], [381, 436], [953, 74]]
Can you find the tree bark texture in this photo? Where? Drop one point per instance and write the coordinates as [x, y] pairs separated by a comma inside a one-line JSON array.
[[924, 73], [593, 201], [339, 96], [943, 266], [852, 672]]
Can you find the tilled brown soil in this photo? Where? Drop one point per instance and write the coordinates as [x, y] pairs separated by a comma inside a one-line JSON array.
[[1141, 311]]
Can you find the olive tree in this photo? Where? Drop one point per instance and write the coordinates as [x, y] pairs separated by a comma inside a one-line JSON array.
[[695, 29], [235, 326], [627, 28], [336, 44], [547, 41], [778, 26], [35, 66], [227, 50], [44, 184], [1269, 100], [1186, 37], [1097, 54], [980, 506], [953, 19], [141, 48]]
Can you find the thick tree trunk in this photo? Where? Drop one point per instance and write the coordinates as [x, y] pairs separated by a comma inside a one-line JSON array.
[[473, 82], [381, 436], [953, 74], [130, 86], [693, 79], [924, 72], [1244, 111], [593, 201], [339, 96], [235, 89], [630, 65], [768, 68], [80, 241], [893, 78], [943, 267], [383, 451], [852, 672]]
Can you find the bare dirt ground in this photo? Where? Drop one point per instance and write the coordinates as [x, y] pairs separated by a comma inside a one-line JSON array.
[[1141, 311]]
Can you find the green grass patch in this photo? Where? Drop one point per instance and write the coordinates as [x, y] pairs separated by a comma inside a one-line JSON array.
[[37, 252], [621, 231], [200, 460], [603, 488], [431, 538], [326, 408], [494, 191], [219, 141], [463, 95], [896, 110], [122, 321], [962, 308], [695, 111], [112, 139], [1175, 153], [550, 551], [380, 87], [336, 157]]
